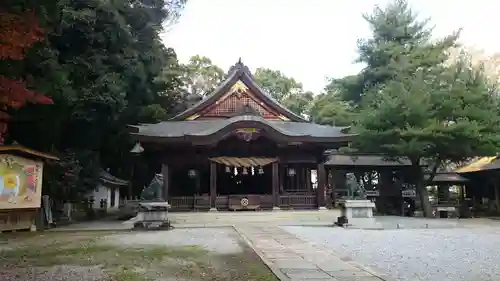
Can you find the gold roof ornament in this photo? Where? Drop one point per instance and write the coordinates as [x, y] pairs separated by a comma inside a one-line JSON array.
[[283, 118], [239, 87], [192, 117]]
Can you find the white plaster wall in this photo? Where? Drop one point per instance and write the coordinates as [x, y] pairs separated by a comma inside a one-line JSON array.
[[104, 192], [101, 192]]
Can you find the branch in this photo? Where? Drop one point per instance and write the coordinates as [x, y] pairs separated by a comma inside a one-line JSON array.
[[434, 169]]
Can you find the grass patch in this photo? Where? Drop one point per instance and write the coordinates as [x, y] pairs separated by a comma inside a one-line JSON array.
[[135, 263]]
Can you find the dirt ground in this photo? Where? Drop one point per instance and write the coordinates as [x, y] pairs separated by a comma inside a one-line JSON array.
[[89, 256]]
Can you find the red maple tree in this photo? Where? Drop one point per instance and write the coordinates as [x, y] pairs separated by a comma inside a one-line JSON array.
[[17, 33]]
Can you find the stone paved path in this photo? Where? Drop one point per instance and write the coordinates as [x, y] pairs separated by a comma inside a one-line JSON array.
[[296, 260]]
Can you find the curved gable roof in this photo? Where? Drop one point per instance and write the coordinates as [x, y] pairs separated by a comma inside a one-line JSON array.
[[238, 72], [219, 128]]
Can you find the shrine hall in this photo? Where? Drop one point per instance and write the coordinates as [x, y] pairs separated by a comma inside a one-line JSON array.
[[239, 149]]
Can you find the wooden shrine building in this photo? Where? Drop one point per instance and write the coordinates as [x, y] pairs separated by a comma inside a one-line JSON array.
[[238, 148]]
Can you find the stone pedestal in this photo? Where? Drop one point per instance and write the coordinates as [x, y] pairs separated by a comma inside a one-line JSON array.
[[153, 214], [353, 209]]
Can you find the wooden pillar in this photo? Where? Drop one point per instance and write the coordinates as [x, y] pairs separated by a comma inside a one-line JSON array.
[[497, 194], [213, 186], [308, 180], [320, 191], [282, 178], [276, 186], [166, 182], [333, 187]]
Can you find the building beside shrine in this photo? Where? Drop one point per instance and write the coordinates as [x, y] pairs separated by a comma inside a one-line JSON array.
[[238, 148]]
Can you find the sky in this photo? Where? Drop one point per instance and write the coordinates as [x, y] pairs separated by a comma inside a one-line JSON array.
[[310, 40]]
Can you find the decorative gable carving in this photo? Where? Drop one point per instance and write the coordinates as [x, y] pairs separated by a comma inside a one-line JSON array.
[[239, 100], [238, 91]]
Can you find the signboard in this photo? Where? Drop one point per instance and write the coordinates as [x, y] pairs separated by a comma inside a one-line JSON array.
[[372, 193], [445, 208], [409, 193], [20, 182]]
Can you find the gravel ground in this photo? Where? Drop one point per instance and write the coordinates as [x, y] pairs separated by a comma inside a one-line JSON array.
[[452, 254], [219, 240]]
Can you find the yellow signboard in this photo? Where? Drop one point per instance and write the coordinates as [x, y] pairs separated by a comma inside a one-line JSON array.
[[20, 182]]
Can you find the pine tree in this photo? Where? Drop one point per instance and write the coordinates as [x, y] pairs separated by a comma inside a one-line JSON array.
[[399, 41], [417, 107]]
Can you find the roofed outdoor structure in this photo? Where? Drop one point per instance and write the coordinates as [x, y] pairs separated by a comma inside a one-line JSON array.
[[364, 160], [484, 176], [26, 152], [448, 177], [481, 164], [108, 178], [219, 150]]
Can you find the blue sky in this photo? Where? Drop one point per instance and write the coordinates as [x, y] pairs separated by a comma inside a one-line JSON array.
[[310, 40]]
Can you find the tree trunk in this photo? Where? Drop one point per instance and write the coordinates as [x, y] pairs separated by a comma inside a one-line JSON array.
[[424, 196], [420, 186]]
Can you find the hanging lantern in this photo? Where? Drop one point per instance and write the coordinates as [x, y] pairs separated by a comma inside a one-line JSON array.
[[245, 171], [291, 172], [228, 169], [235, 171], [261, 171], [253, 170]]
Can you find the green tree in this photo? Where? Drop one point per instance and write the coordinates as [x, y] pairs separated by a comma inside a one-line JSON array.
[[105, 66], [298, 103], [348, 88], [399, 50], [434, 115], [329, 109], [201, 76], [286, 90], [398, 36], [277, 84]]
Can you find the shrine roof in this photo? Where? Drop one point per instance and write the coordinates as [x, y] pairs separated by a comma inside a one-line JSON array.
[[238, 72], [447, 177], [26, 152], [364, 160], [208, 127], [106, 177]]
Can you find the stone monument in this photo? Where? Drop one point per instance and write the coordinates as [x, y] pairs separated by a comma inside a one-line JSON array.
[[357, 207]]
